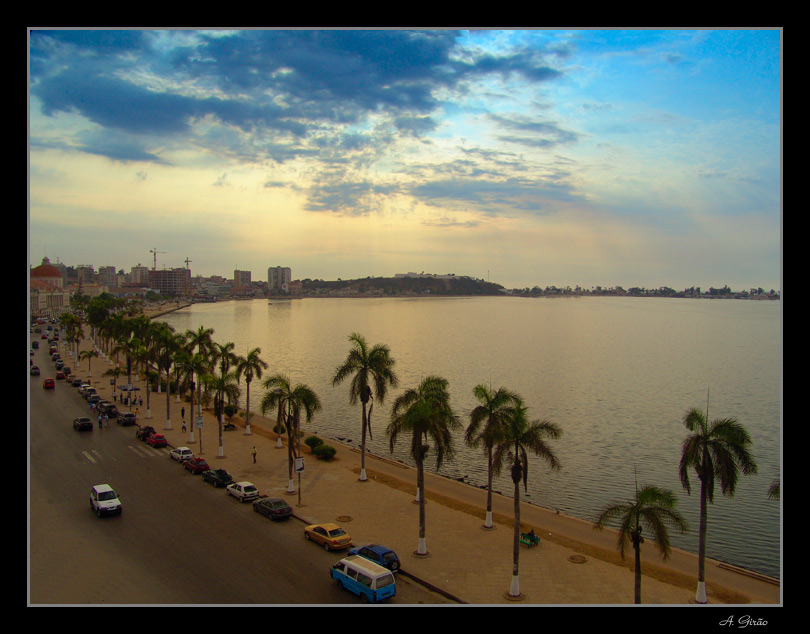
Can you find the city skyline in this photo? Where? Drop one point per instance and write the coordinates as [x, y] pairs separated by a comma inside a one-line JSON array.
[[587, 157]]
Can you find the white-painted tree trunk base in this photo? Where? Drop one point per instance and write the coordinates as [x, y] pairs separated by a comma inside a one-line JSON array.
[[421, 549], [247, 430], [220, 452], [488, 523], [700, 595], [290, 486], [514, 588], [168, 423], [279, 444], [363, 476]]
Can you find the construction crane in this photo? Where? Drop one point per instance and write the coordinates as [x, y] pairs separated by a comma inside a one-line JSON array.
[[185, 282], [155, 252]]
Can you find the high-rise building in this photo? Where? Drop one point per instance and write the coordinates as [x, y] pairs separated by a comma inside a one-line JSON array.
[[170, 281], [278, 279], [241, 278]]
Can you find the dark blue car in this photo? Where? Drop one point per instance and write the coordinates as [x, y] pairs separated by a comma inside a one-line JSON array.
[[381, 555]]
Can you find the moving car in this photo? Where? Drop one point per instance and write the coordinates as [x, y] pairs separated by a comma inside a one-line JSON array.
[[48, 384], [181, 454], [330, 536], [381, 555], [156, 440], [82, 424], [125, 419], [196, 465], [34, 370], [217, 477], [104, 500], [274, 508], [242, 491]]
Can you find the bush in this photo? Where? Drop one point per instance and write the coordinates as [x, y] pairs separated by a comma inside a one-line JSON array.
[[313, 441], [324, 452]]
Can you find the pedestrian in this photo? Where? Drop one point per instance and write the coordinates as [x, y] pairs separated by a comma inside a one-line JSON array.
[[107, 420], [99, 422], [183, 413], [254, 454], [140, 401], [184, 427]]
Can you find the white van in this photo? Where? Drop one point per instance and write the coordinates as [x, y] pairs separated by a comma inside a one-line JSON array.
[[370, 581]]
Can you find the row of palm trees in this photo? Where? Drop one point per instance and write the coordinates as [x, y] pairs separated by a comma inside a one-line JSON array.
[[500, 424]]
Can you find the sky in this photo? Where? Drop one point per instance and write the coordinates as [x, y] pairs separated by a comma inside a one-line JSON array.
[[526, 157]]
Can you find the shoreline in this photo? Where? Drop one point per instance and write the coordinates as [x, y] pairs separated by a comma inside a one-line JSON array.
[[729, 583]]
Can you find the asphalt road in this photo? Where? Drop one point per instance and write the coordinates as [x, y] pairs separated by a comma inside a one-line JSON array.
[[178, 541]]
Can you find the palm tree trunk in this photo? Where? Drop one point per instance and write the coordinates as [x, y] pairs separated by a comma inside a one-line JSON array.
[[420, 487], [363, 476], [637, 573], [168, 400], [514, 588], [488, 523], [247, 413], [700, 594]]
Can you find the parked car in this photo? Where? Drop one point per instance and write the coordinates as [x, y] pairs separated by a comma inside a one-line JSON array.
[[156, 440], [59, 364], [104, 500], [181, 454], [35, 345], [67, 370], [76, 382], [90, 392], [217, 477], [371, 582], [125, 419], [48, 384], [330, 536], [196, 465], [93, 398], [144, 432], [60, 375], [34, 370], [242, 491], [82, 424], [381, 555], [274, 508]]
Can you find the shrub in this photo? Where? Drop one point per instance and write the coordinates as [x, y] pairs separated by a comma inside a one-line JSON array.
[[324, 452], [313, 441]]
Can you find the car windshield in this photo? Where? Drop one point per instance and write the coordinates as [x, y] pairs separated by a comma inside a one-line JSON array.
[[389, 557], [250, 489], [336, 532], [106, 495]]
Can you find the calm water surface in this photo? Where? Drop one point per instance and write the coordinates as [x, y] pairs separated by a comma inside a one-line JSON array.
[[616, 374]]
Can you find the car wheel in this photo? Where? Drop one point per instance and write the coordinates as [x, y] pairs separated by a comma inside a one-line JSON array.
[[307, 537], [98, 511], [326, 546]]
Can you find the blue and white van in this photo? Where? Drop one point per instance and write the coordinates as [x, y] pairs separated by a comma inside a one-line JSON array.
[[370, 581]]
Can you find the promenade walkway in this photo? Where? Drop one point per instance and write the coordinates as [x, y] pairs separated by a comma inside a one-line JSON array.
[[469, 564]]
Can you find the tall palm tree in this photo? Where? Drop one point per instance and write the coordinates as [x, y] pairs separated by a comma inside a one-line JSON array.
[[368, 367], [289, 402], [224, 386], [487, 422], [717, 449], [250, 366], [520, 437], [194, 365], [200, 341], [653, 508], [425, 413]]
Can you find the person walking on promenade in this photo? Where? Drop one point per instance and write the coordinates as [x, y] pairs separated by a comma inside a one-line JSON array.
[[254, 454], [99, 421]]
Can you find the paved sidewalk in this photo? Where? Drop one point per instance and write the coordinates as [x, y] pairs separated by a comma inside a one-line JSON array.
[[573, 565]]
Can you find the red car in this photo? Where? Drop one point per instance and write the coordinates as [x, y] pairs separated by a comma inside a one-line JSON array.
[[156, 440], [49, 384], [196, 465]]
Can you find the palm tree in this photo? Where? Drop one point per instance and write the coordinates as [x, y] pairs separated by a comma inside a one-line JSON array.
[[88, 354], [289, 402], [250, 366], [202, 341], [521, 436], [194, 366], [425, 413], [653, 508], [224, 387], [717, 449], [367, 367], [486, 426]]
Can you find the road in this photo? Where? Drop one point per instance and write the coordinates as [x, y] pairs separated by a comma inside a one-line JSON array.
[[178, 540]]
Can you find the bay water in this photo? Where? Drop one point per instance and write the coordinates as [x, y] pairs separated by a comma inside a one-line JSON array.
[[617, 374]]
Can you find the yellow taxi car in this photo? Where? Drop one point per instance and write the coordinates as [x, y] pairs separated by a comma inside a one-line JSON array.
[[330, 536]]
